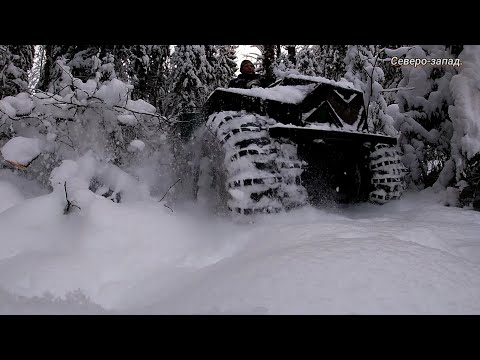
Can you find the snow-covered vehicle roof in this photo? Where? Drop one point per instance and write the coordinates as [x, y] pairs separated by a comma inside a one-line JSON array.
[[294, 88], [297, 100], [286, 94]]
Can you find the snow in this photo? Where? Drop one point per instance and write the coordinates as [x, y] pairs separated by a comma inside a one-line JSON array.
[[6, 108], [78, 174], [21, 149], [287, 94], [22, 189], [410, 256], [10, 195], [113, 93], [465, 87], [140, 106], [327, 127], [417, 255], [290, 94], [127, 119], [136, 145], [343, 83], [21, 103], [401, 51], [87, 88]]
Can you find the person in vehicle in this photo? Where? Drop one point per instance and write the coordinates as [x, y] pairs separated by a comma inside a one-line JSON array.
[[247, 78]]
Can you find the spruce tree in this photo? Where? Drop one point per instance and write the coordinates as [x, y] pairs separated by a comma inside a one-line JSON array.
[[189, 80], [15, 63], [422, 115], [363, 70], [330, 60], [306, 62], [227, 64]]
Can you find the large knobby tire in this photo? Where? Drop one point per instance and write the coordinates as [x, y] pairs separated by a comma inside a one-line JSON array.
[[244, 170], [388, 174]]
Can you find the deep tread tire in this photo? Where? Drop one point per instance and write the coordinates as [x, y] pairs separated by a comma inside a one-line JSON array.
[[388, 174], [251, 173]]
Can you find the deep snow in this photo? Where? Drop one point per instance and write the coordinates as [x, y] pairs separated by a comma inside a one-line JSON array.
[[411, 256]]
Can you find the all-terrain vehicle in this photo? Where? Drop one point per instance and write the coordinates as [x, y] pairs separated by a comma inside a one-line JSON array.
[[303, 140]]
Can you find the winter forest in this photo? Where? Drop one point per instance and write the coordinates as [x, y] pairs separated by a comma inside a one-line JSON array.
[[98, 148]]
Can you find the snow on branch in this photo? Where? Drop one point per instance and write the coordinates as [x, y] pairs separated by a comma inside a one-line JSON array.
[[74, 116], [398, 89]]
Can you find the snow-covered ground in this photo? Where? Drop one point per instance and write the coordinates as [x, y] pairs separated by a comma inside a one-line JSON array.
[[411, 256]]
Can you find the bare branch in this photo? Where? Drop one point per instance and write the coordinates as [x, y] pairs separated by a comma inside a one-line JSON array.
[[31, 161], [70, 204], [171, 186], [63, 142], [14, 164]]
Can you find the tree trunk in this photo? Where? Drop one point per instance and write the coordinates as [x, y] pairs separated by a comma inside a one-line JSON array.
[[46, 69], [455, 49], [268, 60], [279, 50], [51, 54], [292, 54]]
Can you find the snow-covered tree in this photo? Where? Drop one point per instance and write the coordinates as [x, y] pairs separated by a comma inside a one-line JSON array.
[[285, 60], [465, 117], [211, 56], [330, 60], [49, 72], [392, 74], [306, 62], [74, 117], [157, 75], [265, 64], [291, 53], [143, 66], [363, 70], [83, 61], [122, 55], [15, 63], [227, 64], [139, 63], [422, 116], [189, 80]]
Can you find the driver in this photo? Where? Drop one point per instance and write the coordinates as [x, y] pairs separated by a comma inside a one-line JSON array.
[[247, 78]]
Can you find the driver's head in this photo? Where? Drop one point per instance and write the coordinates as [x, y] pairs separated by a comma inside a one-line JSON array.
[[247, 67]]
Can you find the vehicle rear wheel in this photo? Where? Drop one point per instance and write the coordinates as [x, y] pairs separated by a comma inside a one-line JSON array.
[[388, 174]]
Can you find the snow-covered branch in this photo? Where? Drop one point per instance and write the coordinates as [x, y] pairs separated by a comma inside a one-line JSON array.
[[398, 89]]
